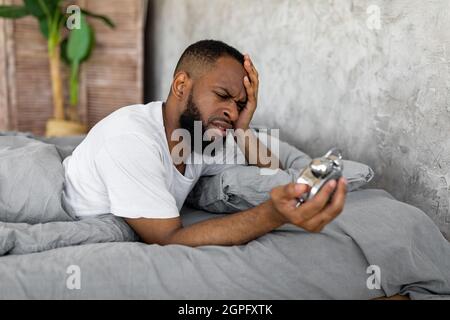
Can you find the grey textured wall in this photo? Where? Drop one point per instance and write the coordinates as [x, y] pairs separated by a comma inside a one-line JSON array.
[[330, 77]]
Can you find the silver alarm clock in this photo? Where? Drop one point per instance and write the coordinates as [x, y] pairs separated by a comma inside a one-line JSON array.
[[319, 172]]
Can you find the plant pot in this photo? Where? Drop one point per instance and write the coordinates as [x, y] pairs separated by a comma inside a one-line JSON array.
[[61, 128]]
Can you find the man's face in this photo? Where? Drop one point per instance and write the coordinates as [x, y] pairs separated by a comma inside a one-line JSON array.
[[216, 99]]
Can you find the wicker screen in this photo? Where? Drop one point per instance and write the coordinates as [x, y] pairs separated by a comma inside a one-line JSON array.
[[112, 77]]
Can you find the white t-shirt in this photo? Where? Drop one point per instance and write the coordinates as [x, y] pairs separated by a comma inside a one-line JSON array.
[[124, 167]]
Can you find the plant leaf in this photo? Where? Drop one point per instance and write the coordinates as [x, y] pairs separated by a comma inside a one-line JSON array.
[[78, 49], [92, 44], [80, 42], [13, 12], [53, 4], [64, 57], [40, 8], [34, 8], [105, 19], [43, 26]]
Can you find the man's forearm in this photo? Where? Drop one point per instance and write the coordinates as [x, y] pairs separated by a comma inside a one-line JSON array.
[[233, 229], [255, 152]]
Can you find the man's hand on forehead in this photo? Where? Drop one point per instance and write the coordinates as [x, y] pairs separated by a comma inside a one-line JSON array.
[[252, 75], [251, 84]]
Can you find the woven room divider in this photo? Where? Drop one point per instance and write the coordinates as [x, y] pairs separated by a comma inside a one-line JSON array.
[[112, 78]]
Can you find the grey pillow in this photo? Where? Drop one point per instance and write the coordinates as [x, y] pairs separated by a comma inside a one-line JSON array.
[[64, 145], [31, 181], [243, 187]]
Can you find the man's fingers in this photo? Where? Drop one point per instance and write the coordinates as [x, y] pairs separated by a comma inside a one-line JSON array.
[[250, 90], [331, 211], [311, 207], [247, 57], [316, 213], [337, 202], [291, 191], [286, 197], [252, 73], [294, 190]]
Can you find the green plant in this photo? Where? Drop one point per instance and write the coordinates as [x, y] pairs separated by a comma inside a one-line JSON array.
[[74, 46]]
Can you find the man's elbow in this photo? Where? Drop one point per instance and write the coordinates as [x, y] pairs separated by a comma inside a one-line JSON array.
[[155, 231]]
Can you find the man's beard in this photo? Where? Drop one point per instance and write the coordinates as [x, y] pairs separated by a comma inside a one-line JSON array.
[[187, 122]]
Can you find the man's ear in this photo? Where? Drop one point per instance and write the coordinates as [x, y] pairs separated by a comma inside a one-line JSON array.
[[180, 85]]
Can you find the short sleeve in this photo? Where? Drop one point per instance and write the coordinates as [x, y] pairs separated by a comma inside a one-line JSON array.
[[132, 170]]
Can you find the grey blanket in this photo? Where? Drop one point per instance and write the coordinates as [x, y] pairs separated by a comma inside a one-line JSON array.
[[374, 230], [289, 263]]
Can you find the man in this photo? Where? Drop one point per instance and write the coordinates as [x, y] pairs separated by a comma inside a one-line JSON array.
[[125, 165]]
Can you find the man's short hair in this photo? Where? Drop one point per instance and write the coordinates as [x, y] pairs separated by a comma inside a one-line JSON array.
[[202, 55]]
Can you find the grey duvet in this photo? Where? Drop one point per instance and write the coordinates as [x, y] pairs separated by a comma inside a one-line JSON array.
[[375, 231]]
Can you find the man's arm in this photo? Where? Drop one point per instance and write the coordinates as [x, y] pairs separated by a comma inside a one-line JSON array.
[[256, 153], [232, 229], [242, 227]]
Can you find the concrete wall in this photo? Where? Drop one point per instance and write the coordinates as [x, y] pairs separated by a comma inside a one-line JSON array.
[[330, 76]]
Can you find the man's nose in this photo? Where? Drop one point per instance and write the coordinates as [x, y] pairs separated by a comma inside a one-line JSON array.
[[231, 111]]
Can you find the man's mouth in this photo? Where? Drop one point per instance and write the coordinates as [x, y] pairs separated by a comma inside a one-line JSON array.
[[221, 127]]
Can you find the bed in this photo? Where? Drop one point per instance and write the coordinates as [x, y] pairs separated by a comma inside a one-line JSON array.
[[378, 247]]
